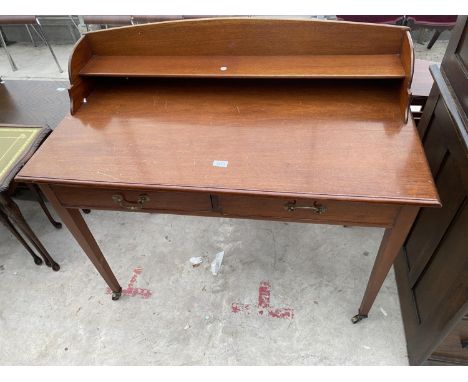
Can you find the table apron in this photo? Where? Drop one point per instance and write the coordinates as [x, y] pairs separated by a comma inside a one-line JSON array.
[[227, 205]]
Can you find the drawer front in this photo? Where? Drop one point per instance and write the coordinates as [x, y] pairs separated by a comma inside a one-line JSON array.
[[306, 210], [333, 212], [133, 200]]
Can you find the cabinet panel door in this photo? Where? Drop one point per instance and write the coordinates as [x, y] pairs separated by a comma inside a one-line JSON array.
[[446, 276], [455, 62]]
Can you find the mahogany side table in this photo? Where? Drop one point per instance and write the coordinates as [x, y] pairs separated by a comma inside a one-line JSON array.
[[292, 120]]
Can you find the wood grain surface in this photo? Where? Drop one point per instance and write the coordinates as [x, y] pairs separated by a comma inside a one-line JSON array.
[[243, 47], [247, 37], [322, 139], [237, 206], [306, 66], [407, 60]]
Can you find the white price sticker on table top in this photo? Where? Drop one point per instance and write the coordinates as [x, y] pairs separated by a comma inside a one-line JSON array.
[[220, 163]]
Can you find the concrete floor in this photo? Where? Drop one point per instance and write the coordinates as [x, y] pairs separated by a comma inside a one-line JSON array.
[[35, 63], [67, 318], [184, 315]]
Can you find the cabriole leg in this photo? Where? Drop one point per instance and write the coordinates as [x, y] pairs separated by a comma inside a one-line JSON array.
[[40, 199], [8, 224], [14, 213]]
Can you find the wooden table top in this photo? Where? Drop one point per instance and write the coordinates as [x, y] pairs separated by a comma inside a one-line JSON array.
[[339, 140]]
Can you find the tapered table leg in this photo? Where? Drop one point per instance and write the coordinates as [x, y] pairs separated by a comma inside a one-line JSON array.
[[8, 224], [14, 213], [75, 223], [390, 246]]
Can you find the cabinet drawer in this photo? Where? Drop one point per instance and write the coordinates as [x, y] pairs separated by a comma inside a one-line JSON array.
[[133, 200], [306, 210]]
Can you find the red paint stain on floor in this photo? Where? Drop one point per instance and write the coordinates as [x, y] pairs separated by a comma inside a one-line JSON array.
[[287, 313], [264, 293], [131, 290], [237, 308]]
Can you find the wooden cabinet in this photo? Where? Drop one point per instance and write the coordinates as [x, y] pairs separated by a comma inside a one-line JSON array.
[[432, 270]]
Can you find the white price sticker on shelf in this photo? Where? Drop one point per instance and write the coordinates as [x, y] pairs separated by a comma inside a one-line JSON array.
[[220, 163]]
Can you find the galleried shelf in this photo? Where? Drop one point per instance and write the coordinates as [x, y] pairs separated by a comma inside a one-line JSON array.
[[245, 48], [306, 66]]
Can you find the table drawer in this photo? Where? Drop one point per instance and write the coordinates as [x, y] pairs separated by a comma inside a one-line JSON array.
[[307, 210], [133, 200]]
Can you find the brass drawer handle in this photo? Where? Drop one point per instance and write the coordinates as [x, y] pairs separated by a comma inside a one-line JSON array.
[[120, 200], [316, 208]]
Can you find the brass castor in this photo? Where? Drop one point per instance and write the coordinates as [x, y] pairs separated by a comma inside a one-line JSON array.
[[357, 318], [116, 295]]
